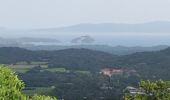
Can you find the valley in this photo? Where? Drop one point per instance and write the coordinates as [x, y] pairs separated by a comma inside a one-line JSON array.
[[102, 75]]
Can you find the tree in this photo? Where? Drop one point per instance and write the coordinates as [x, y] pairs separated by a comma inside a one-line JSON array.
[[42, 97], [152, 90], [11, 87]]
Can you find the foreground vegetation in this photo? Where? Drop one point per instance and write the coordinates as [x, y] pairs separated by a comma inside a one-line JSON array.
[[151, 90], [11, 87]]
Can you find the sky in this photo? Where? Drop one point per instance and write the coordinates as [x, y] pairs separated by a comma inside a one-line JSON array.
[[36, 14]]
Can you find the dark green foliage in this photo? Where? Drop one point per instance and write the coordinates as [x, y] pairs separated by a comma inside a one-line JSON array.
[[78, 86], [149, 65], [12, 55], [117, 50], [71, 58], [82, 59]]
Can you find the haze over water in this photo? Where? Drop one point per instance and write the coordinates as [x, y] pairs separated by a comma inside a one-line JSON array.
[[113, 39]]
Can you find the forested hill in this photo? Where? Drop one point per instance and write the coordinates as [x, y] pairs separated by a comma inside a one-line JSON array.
[[154, 65], [9, 55], [154, 57], [67, 58], [87, 59], [117, 50], [81, 58]]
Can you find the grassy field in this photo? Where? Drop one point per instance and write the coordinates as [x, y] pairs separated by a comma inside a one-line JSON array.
[[32, 63], [23, 67], [39, 63], [38, 90], [22, 63], [62, 70], [82, 72]]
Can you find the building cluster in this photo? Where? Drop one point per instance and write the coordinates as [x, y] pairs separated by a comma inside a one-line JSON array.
[[131, 91], [112, 71]]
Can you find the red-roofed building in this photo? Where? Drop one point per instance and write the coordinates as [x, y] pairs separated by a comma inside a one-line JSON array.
[[111, 71]]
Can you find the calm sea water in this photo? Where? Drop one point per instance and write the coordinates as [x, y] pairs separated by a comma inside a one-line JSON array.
[[114, 39]]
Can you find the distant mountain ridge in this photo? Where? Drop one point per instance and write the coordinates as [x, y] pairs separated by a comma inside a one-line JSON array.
[[157, 26], [116, 50]]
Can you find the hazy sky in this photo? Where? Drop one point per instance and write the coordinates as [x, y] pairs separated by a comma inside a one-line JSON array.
[[25, 14]]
